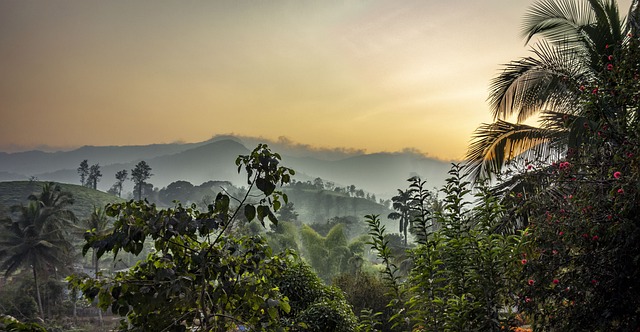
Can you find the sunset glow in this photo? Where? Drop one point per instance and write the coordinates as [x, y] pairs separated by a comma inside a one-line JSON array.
[[376, 75]]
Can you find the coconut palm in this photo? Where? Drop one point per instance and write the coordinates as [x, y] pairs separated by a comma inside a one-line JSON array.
[[402, 204], [98, 224], [37, 237], [577, 39]]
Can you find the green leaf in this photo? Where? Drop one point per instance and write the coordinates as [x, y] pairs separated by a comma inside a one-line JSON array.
[[249, 212], [266, 186]]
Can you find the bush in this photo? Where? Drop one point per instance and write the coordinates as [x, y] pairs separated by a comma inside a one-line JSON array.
[[317, 306]]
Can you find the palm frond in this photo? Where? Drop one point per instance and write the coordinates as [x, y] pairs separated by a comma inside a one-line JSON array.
[[633, 18], [549, 79], [558, 21], [497, 143]]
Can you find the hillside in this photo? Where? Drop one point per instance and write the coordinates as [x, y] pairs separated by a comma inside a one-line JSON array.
[[321, 205], [17, 192]]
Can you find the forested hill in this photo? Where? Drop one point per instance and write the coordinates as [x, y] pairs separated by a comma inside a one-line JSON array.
[[379, 173]]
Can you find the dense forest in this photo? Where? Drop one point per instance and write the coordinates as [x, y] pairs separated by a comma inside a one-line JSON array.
[[537, 230]]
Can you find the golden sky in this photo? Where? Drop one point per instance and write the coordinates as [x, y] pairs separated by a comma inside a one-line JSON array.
[[375, 75]]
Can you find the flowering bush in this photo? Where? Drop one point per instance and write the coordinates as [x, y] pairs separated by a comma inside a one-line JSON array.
[[584, 269]]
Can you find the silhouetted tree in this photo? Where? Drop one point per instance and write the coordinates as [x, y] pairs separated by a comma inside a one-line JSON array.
[[83, 170], [176, 191], [121, 176], [402, 205], [94, 176], [139, 175]]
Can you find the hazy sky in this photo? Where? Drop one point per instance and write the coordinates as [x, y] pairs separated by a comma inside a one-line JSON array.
[[377, 75]]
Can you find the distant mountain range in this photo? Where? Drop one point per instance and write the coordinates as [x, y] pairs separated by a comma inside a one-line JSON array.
[[378, 173]]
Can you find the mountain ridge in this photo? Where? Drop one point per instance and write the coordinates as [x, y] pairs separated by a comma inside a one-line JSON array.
[[378, 173]]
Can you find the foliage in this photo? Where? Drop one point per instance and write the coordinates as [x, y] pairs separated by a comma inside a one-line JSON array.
[[94, 176], [464, 275], [368, 294], [402, 205], [574, 42], [17, 298], [288, 213], [200, 276], [121, 176], [581, 274], [38, 237], [330, 255], [83, 171], [314, 306], [284, 236], [139, 176], [10, 324]]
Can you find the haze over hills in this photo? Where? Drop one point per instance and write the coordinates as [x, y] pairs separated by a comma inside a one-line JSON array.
[[379, 173]]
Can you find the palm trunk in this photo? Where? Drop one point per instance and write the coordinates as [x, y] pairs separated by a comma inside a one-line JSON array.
[[96, 268], [35, 280]]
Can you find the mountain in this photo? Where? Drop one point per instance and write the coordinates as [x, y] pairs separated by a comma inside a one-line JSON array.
[[379, 173]]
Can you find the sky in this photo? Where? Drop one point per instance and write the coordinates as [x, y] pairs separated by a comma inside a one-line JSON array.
[[372, 75]]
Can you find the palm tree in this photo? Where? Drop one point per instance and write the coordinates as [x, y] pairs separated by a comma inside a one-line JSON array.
[[97, 224], [37, 237], [402, 205], [577, 39]]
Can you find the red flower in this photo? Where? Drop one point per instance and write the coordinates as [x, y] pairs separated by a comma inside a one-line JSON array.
[[527, 300], [609, 67], [620, 191], [531, 282], [594, 281], [524, 261], [556, 281], [561, 233], [595, 238], [610, 58], [594, 91], [617, 175]]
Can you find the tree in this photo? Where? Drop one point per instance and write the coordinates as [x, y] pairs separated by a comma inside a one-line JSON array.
[[577, 41], [83, 170], [121, 176], [288, 213], [139, 175], [94, 176], [402, 205], [200, 276], [584, 264], [38, 237], [318, 183], [176, 191]]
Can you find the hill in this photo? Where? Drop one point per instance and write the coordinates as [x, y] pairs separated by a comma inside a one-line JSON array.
[[17, 192], [314, 205]]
